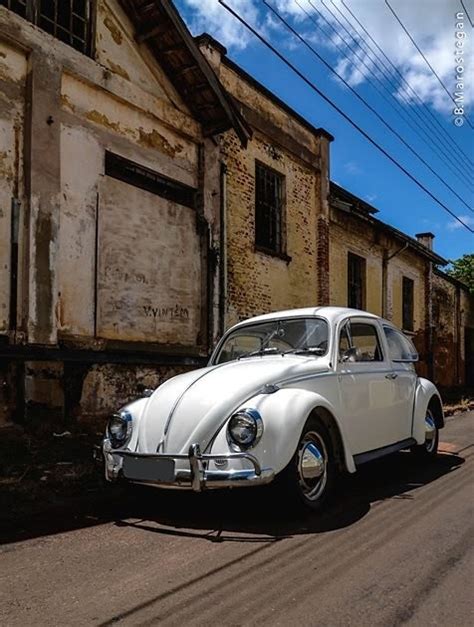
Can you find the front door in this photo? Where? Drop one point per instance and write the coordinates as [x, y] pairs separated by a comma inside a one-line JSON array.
[[367, 389]]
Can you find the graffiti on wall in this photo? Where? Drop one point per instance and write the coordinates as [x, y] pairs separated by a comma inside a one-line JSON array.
[[166, 313]]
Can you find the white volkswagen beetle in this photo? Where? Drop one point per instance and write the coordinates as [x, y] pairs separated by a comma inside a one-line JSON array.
[[293, 397]]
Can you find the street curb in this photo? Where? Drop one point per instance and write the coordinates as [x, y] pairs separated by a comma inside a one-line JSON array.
[[455, 411]]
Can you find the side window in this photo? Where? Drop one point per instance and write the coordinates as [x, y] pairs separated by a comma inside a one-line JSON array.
[[359, 342], [399, 346]]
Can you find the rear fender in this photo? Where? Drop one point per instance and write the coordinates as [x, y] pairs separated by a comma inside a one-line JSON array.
[[426, 394]]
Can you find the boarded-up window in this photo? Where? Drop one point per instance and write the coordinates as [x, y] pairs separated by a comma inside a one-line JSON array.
[[408, 290], [67, 20], [269, 186], [149, 286], [355, 281]]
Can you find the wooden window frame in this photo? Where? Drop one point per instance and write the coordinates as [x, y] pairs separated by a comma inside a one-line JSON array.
[[353, 298]]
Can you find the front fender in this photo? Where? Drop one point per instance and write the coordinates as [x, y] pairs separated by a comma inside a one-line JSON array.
[[425, 391], [284, 415]]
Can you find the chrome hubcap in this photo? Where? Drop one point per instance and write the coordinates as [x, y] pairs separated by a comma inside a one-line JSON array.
[[312, 465], [430, 432]]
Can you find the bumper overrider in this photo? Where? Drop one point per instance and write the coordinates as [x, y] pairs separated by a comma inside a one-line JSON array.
[[197, 477]]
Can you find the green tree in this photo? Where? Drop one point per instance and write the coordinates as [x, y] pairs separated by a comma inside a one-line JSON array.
[[463, 269]]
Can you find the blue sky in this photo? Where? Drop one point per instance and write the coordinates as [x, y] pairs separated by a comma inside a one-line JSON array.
[[422, 115]]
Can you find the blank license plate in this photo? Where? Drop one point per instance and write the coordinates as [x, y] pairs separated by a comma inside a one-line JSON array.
[[149, 469]]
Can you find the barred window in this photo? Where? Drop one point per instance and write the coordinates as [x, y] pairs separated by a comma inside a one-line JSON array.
[[269, 190], [67, 20], [355, 281]]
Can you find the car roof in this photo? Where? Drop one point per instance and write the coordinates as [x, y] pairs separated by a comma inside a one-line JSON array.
[[331, 314]]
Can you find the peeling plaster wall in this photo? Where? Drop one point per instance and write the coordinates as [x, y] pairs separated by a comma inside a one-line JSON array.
[[75, 217], [13, 70], [149, 268], [117, 50]]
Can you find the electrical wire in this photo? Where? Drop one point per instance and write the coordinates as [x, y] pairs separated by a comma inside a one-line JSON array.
[[468, 16], [409, 88], [454, 167], [425, 59], [316, 89], [364, 101]]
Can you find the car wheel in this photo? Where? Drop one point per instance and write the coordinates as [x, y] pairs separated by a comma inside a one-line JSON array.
[[309, 477], [429, 448]]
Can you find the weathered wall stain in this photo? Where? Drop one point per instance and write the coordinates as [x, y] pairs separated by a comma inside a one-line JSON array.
[[6, 168], [153, 139], [100, 118], [114, 30], [66, 102], [115, 67]]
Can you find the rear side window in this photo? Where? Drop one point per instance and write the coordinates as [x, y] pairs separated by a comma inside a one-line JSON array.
[[359, 342], [399, 346]]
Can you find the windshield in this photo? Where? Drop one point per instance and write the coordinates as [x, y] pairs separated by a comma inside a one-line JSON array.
[[292, 335]]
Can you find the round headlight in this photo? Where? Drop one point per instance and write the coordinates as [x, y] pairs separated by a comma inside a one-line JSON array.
[[119, 428], [245, 428]]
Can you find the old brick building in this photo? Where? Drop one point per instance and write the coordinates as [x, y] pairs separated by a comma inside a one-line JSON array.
[[152, 193], [374, 266], [109, 201], [276, 200]]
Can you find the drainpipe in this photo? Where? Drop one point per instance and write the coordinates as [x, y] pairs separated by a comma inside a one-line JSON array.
[[385, 259], [223, 250]]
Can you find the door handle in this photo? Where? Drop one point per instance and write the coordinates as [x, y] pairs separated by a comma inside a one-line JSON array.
[[391, 375]]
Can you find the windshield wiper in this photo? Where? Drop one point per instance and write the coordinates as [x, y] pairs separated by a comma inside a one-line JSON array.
[[261, 351], [313, 350]]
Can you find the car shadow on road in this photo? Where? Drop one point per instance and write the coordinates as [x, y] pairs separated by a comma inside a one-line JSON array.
[[259, 515], [239, 515]]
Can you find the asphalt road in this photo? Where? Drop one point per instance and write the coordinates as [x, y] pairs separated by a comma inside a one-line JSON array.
[[395, 548]]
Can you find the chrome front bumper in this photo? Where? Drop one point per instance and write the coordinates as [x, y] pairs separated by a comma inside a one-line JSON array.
[[198, 476]]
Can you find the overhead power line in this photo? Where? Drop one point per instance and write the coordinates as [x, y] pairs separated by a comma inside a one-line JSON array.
[[363, 100], [468, 16], [391, 101], [403, 80], [425, 59], [341, 112]]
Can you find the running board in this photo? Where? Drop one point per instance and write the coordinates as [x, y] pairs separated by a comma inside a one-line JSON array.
[[362, 458]]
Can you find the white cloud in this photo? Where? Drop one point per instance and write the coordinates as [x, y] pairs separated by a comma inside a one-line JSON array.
[[430, 22], [351, 167], [209, 16], [454, 225]]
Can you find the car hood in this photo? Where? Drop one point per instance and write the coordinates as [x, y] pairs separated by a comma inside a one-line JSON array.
[[192, 407]]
